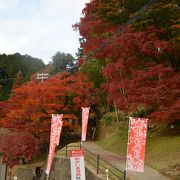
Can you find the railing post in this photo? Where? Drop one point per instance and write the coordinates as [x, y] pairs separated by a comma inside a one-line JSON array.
[[66, 150], [107, 175], [97, 163], [124, 175]]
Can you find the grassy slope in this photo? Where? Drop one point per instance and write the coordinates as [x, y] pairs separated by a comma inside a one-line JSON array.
[[113, 139], [162, 149]]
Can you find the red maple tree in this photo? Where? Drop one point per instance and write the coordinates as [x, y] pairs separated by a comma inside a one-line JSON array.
[[141, 68], [30, 107], [18, 145]]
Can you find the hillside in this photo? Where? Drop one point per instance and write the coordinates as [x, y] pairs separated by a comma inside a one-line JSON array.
[[162, 149], [10, 65]]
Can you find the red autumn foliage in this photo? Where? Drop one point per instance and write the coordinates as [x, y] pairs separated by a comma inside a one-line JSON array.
[[142, 65], [30, 107], [157, 87], [140, 76], [18, 145]]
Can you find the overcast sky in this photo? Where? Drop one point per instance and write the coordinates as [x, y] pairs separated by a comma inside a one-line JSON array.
[[39, 28]]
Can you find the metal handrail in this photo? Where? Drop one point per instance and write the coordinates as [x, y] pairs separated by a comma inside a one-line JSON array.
[[99, 166], [101, 159], [112, 166]]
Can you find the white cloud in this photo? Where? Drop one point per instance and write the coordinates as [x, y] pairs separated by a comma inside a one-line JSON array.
[[47, 30], [5, 4], [41, 40], [67, 6]]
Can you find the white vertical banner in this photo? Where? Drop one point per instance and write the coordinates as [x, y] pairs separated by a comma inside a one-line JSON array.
[[85, 115], [59, 121], [56, 127], [77, 165], [136, 144]]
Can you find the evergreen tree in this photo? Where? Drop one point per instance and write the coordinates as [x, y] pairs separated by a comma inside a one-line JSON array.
[[60, 61]]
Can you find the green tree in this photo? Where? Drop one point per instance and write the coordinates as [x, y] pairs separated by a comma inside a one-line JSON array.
[[93, 69], [10, 65], [60, 61]]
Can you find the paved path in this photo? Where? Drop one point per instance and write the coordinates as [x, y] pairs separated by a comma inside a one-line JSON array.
[[119, 162]]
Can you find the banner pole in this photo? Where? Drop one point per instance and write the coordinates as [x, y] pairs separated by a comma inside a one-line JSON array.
[[127, 150]]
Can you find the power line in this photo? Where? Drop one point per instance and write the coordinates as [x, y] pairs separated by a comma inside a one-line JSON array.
[[123, 27]]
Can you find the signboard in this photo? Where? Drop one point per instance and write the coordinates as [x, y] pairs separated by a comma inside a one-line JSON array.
[[136, 144], [56, 126], [77, 165], [85, 115]]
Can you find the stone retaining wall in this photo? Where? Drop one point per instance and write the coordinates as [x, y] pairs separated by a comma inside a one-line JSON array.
[[60, 170]]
